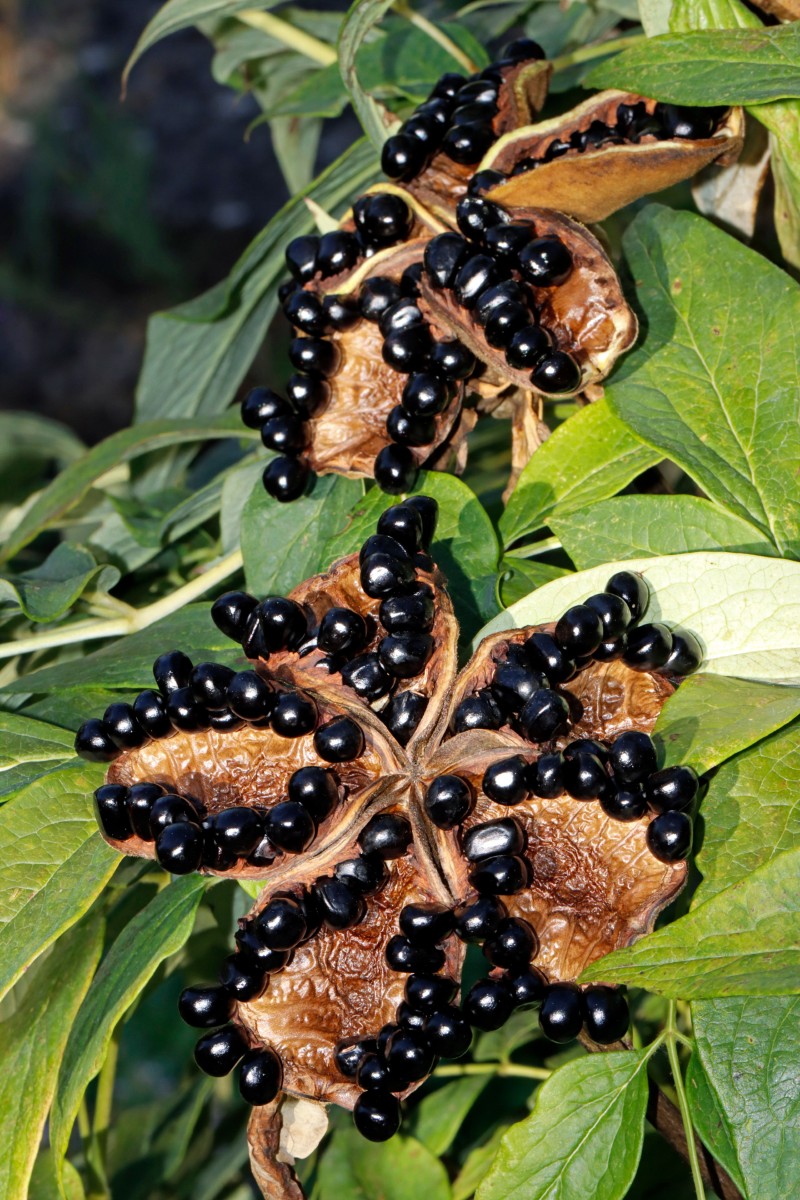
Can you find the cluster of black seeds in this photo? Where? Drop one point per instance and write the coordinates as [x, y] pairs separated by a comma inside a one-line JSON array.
[[633, 124], [456, 119], [490, 267]]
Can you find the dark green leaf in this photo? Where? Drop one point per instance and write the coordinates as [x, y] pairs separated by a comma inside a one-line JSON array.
[[640, 526], [588, 458], [30, 749], [745, 940], [716, 384], [47, 591], [438, 1118], [726, 66], [707, 1116], [583, 1138], [402, 1169], [182, 14], [361, 18], [476, 1165]]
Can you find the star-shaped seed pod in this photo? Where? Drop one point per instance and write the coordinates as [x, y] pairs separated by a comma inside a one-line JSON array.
[[466, 285], [396, 810]]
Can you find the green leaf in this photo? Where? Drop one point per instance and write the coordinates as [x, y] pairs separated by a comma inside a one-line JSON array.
[[47, 591], [744, 609], [643, 526], [402, 1169], [33, 1044], [716, 384], [283, 544], [687, 15], [438, 1118], [55, 864], [712, 717], [750, 1052], [707, 1116], [583, 1138], [44, 1181], [654, 16], [588, 458], [523, 575], [751, 812], [745, 940], [476, 1165], [361, 18], [160, 929], [30, 749], [725, 66], [183, 14], [148, 1143]]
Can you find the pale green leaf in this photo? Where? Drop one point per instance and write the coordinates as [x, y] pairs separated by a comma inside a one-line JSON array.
[[401, 1169], [583, 1138], [707, 1116], [44, 1181], [654, 16], [438, 1117], [30, 749], [476, 1165]]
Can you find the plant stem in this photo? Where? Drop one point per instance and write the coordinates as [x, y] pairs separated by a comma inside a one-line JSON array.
[[289, 35], [537, 548], [140, 618], [683, 1104], [435, 34], [587, 53], [513, 1070]]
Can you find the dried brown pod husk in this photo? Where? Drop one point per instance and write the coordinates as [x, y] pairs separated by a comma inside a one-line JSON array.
[[592, 184]]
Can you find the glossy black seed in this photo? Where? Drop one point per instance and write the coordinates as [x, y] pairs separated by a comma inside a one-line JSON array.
[[453, 360], [293, 715], [409, 430], [383, 575], [238, 830], [632, 756], [380, 543], [286, 435], [283, 622], [373, 1072], [285, 478], [426, 128], [448, 800], [341, 740], [503, 836], [281, 924], [341, 631], [338, 251], [613, 613], [409, 1058], [483, 181], [251, 945], [449, 84], [218, 1053], [309, 393], [467, 144], [503, 323], [477, 274], [425, 395], [471, 114], [649, 647], [395, 469], [556, 373], [290, 827], [301, 257], [350, 1054], [522, 50], [506, 781], [387, 834], [230, 613], [476, 216], [386, 219], [512, 685], [405, 655], [478, 91], [168, 809], [184, 712], [140, 801], [172, 671], [209, 683], [316, 789], [264, 853], [444, 255], [428, 511], [625, 803], [546, 776], [260, 1076], [501, 876], [605, 1013], [403, 714], [377, 295], [546, 262], [686, 655], [249, 696], [527, 987], [179, 848], [448, 1033], [403, 523], [340, 904], [607, 651], [407, 349], [669, 836], [425, 925], [546, 655], [584, 777], [367, 677], [377, 1115], [305, 311], [586, 746], [402, 315], [403, 156], [405, 614], [205, 1007], [511, 946], [544, 716], [242, 978], [316, 355], [488, 1004], [121, 725], [556, 149], [685, 122], [497, 296], [561, 1014], [403, 955], [674, 788], [410, 1018], [150, 711], [339, 312], [215, 858], [410, 280], [260, 404], [225, 720], [479, 920], [527, 347], [112, 812], [364, 874], [631, 588]]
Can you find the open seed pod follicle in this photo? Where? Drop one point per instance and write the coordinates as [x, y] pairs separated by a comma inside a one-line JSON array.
[[465, 286], [397, 809]]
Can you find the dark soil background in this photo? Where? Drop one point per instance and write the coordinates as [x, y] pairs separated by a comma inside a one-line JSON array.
[[110, 210]]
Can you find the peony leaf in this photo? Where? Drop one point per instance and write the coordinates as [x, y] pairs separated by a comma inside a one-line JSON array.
[[401, 1169], [707, 1116], [30, 749]]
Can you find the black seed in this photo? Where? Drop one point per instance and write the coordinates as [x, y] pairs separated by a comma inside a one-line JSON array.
[[339, 312], [141, 798], [341, 740], [205, 1007], [409, 1058], [435, 111], [512, 685], [218, 1053], [350, 1054], [364, 874], [478, 91], [112, 812], [309, 394], [285, 478], [338, 251], [527, 347], [544, 715], [477, 274], [467, 144], [122, 726], [405, 655], [260, 404], [561, 1014], [488, 1004], [250, 944], [213, 856], [584, 777], [605, 1012], [504, 836], [649, 647], [632, 756], [449, 84], [172, 671], [407, 350], [409, 430], [511, 946], [624, 804], [501, 876], [527, 987], [283, 622], [209, 683], [631, 588], [403, 955], [497, 296], [403, 714], [479, 920], [286, 435], [305, 311], [184, 712], [448, 1033], [376, 296], [367, 677], [480, 711], [522, 50], [686, 655], [383, 575], [404, 314], [546, 262], [403, 156], [373, 1072], [385, 219], [341, 906], [410, 280], [448, 801], [341, 631], [425, 395], [425, 925], [556, 373], [669, 836], [607, 651], [506, 241], [506, 781], [377, 1115], [410, 1018], [168, 809], [281, 924], [685, 122], [428, 510], [483, 181], [151, 713], [225, 721], [395, 469], [674, 788], [314, 354], [613, 613], [230, 613], [264, 854], [405, 614], [586, 746], [503, 323], [387, 834], [241, 978], [293, 715], [179, 848], [290, 827], [249, 696], [476, 216], [444, 255], [556, 149], [545, 655], [546, 776], [260, 1076], [301, 257], [381, 543], [403, 523], [316, 789], [453, 360], [238, 830]]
